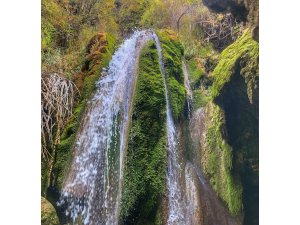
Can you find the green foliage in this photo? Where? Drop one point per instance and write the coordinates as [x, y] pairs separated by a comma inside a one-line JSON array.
[[172, 54], [48, 31], [244, 48], [48, 213], [55, 25], [130, 14], [195, 72], [157, 15], [145, 167], [64, 152], [67, 26], [199, 99], [206, 50], [217, 162]]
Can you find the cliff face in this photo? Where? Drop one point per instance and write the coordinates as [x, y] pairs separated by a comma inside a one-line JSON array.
[[245, 10], [229, 144], [238, 98]]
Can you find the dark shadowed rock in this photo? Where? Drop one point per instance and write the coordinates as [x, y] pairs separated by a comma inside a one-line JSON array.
[[245, 10]]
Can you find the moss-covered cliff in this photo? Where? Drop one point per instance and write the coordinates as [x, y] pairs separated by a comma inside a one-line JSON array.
[[229, 153], [145, 167], [238, 98]]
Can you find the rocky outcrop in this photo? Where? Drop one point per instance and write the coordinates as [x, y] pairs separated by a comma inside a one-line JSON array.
[[235, 93], [245, 10], [97, 54], [227, 130]]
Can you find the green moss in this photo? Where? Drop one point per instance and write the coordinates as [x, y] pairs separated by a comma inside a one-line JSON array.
[[243, 49], [172, 54], [64, 152], [239, 59], [207, 50], [48, 32], [145, 167], [217, 163], [48, 213], [195, 72], [199, 99]]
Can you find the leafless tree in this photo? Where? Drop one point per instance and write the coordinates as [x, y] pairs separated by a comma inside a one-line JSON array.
[[58, 94], [185, 10], [221, 30]]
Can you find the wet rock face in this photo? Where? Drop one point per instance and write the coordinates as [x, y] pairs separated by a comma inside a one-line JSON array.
[[245, 10], [242, 132]]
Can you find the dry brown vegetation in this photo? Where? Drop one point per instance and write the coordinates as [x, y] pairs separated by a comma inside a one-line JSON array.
[[58, 94]]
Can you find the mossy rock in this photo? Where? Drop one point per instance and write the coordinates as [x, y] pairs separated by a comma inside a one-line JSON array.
[[217, 160], [231, 123], [48, 213], [235, 92], [146, 159], [173, 51], [244, 50]]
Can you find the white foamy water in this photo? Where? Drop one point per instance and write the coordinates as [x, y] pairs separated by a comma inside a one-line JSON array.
[[188, 88], [93, 187]]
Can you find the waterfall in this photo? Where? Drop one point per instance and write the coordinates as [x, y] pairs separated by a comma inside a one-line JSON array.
[[192, 196], [92, 189], [188, 89]]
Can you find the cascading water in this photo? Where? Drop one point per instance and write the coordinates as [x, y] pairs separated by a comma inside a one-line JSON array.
[[92, 189], [192, 196], [188, 88], [176, 203]]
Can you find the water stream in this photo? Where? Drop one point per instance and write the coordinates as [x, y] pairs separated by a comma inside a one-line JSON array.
[[188, 89]]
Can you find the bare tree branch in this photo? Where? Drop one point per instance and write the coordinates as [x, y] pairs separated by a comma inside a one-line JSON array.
[[218, 29], [58, 95]]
